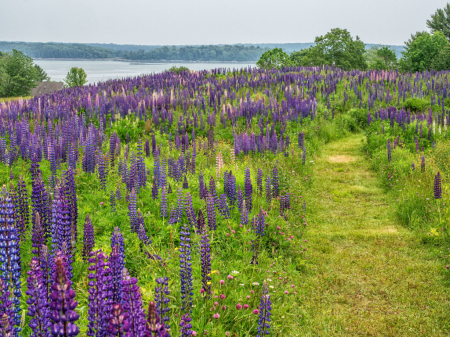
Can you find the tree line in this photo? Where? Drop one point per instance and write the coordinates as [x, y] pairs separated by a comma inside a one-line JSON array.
[[184, 53], [423, 51]]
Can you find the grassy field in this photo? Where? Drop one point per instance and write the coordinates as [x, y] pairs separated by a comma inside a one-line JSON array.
[[369, 276]]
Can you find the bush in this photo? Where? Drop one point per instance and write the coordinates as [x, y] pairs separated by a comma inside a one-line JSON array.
[[416, 104], [178, 70]]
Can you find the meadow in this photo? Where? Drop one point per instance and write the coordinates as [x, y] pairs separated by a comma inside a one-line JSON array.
[[242, 202]]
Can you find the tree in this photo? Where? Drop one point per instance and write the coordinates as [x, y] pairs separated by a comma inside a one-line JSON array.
[[381, 57], [178, 70], [20, 74], [338, 48], [274, 58], [440, 21], [442, 60], [41, 75], [76, 77], [421, 49]]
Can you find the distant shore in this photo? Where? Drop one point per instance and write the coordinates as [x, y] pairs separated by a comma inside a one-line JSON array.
[[142, 61]]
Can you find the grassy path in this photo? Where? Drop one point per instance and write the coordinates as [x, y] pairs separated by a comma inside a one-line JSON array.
[[370, 276]]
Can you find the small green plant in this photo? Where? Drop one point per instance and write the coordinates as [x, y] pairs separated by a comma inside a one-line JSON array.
[[178, 70]]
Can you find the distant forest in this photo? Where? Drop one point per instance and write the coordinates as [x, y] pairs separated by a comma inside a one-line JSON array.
[[236, 52]]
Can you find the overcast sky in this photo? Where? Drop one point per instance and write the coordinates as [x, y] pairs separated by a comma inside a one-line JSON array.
[[174, 22]]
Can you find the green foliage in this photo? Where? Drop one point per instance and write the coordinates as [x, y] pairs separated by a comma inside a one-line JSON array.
[[442, 60], [440, 21], [18, 75], [179, 69], [274, 58], [381, 57], [41, 75], [338, 48], [421, 49], [416, 104], [76, 77]]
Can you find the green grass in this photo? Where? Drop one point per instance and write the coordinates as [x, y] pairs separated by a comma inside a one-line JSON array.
[[368, 275]]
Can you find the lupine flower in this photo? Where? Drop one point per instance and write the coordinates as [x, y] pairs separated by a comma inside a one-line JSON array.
[[206, 261], [62, 303], [119, 323], [185, 183], [143, 235], [264, 314], [164, 203], [190, 210], [154, 327], [70, 194], [389, 150], [132, 211], [275, 191], [248, 190], [132, 305], [37, 237], [186, 268], [88, 238], [304, 156], [422, 164], [118, 193], [224, 207], [186, 326], [10, 256], [211, 212], [268, 190], [244, 215], [180, 205], [155, 189], [259, 182], [101, 170], [23, 209], [413, 167], [162, 299], [200, 221], [437, 186], [112, 200], [99, 294], [7, 312]]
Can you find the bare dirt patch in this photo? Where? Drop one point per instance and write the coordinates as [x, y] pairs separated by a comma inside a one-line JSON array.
[[341, 159]]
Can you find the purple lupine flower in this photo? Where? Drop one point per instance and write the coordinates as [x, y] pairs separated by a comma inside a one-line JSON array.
[[62, 303], [244, 214], [132, 211], [264, 313], [154, 327], [170, 189], [112, 200], [224, 206], [422, 164], [119, 324], [304, 156], [206, 261], [180, 204], [164, 203], [46, 264], [132, 305], [186, 325], [99, 294], [268, 190], [24, 212], [186, 268], [116, 268], [101, 170], [231, 189], [200, 220], [248, 190], [190, 210], [6, 312], [70, 194], [162, 299], [185, 183], [37, 237], [437, 186], [10, 256], [39, 199], [275, 190], [37, 302], [112, 148], [211, 212], [282, 204], [118, 193], [259, 182], [240, 198], [389, 150], [155, 189], [413, 167], [212, 191], [141, 230], [88, 238]]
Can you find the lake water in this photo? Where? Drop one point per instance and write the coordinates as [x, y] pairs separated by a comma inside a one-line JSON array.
[[104, 70]]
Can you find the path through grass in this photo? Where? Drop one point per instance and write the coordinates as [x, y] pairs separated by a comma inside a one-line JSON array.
[[369, 276]]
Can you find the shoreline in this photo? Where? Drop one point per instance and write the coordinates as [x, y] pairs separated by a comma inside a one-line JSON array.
[[142, 61]]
